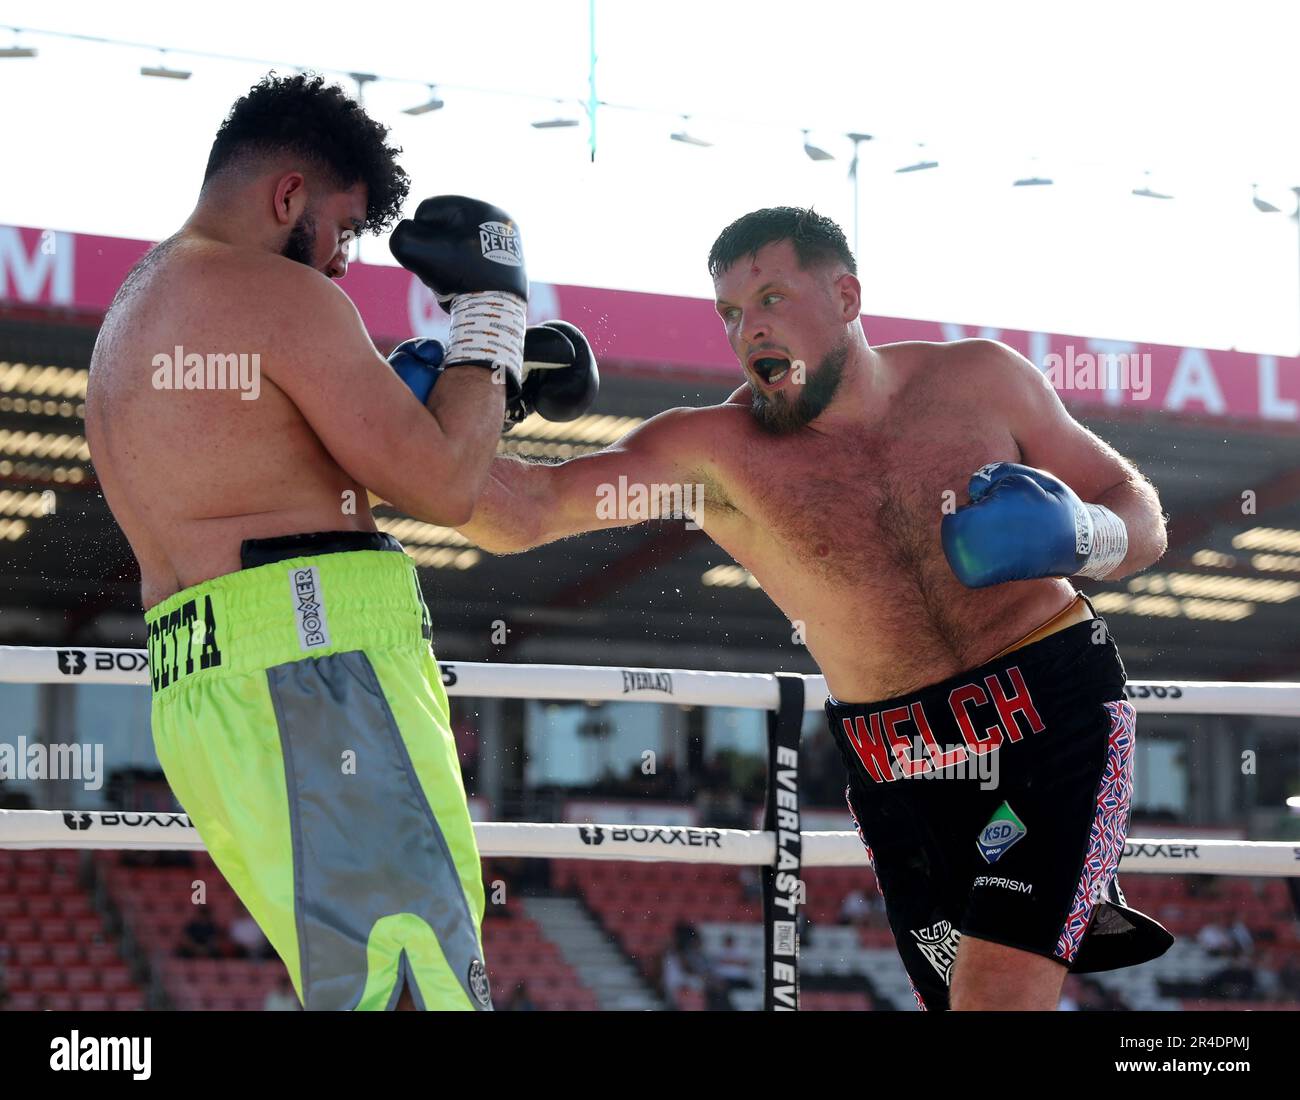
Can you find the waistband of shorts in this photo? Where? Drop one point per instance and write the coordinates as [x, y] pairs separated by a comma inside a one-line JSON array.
[[308, 605], [1081, 656]]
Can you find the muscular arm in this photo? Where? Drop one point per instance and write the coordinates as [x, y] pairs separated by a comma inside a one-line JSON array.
[[527, 504], [1051, 439], [430, 462]]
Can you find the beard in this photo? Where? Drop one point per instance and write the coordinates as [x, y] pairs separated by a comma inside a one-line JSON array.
[[776, 414], [301, 244]]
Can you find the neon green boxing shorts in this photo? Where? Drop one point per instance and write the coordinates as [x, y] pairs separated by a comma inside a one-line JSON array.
[[300, 718]]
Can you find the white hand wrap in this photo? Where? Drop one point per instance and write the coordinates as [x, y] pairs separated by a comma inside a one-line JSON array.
[[488, 330], [1103, 538]]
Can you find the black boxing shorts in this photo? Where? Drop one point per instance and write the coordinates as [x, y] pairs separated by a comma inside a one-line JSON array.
[[996, 804]]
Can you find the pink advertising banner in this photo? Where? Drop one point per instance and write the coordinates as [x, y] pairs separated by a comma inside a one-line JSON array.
[[74, 272]]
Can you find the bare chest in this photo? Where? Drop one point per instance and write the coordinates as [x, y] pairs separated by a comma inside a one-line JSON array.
[[864, 509]]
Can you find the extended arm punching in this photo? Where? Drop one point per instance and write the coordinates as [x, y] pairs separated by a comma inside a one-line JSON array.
[[528, 504]]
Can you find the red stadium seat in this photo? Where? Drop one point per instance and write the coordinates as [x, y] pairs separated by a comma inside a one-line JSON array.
[[100, 954], [88, 929], [94, 1002], [26, 1002], [20, 930], [80, 978], [42, 906], [115, 978], [31, 954], [131, 1000], [67, 954], [45, 977]]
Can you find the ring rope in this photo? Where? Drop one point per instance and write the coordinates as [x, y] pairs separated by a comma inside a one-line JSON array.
[[167, 831], [600, 683]]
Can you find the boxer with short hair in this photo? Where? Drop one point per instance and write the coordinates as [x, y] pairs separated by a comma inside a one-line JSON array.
[[298, 712], [935, 600]]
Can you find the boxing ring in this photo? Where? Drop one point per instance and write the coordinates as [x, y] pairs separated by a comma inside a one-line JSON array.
[[781, 849]]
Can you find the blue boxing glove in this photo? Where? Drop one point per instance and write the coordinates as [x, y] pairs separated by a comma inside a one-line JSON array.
[[418, 363], [1023, 523]]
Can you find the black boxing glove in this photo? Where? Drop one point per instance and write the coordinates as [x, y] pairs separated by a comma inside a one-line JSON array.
[[467, 252], [560, 376]]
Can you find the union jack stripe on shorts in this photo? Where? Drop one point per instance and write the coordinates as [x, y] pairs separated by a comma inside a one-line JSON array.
[[1109, 829]]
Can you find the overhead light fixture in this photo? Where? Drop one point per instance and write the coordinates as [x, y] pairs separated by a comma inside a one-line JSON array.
[[1212, 559], [1262, 205], [1215, 587], [17, 51], [921, 165], [689, 139], [1279, 539], [554, 123], [162, 70], [813, 151], [1281, 563], [1033, 181], [1145, 191], [433, 103]]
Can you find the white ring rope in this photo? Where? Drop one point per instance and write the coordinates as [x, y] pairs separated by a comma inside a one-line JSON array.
[[35, 829], [146, 831], [752, 690]]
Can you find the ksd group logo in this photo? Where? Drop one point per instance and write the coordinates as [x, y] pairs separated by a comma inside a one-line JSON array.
[[1003, 830]]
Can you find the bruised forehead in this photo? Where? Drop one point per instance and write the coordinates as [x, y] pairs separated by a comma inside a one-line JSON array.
[[773, 263]]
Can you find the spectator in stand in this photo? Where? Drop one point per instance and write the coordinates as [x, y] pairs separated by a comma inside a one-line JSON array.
[[732, 966], [1214, 940], [282, 998], [247, 938], [717, 995], [1236, 982], [1242, 940], [683, 965], [857, 908], [751, 883], [519, 1000], [201, 938], [1288, 979], [718, 802], [1110, 1000], [11, 799]]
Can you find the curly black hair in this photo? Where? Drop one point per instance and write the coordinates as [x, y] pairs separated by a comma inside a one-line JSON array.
[[302, 114], [815, 237]]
